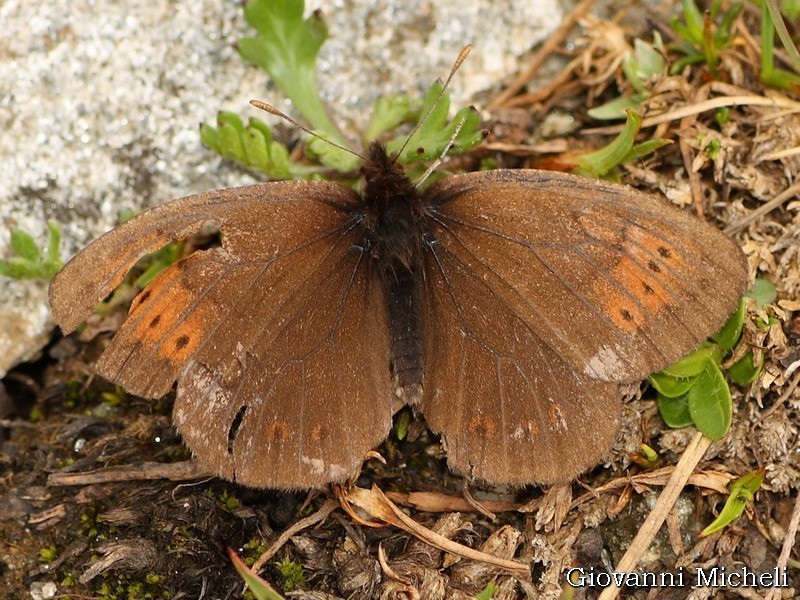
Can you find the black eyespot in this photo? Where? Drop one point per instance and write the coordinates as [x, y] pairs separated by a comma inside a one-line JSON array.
[[181, 342], [665, 252], [647, 288], [654, 267], [155, 321], [626, 315]]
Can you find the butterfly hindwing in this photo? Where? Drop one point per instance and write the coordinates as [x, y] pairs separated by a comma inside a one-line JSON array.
[[509, 407]]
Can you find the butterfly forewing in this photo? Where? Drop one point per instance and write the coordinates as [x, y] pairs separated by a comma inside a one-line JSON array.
[[614, 281], [278, 339]]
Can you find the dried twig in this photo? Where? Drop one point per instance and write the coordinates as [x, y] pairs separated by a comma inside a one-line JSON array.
[[374, 502], [779, 200], [779, 402], [330, 505], [788, 544], [147, 471]]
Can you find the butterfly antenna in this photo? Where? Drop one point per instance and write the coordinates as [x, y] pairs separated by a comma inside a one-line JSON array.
[[439, 160], [274, 111], [462, 56]]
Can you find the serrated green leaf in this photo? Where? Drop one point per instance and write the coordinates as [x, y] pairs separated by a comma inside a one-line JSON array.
[[210, 137], [231, 119], [280, 160], [730, 332], [230, 142], [262, 128], [744, 371], [287, 48], [331, 156], [743, 491], [53, 254], [675, 411], [31, 264], [669, 386], [710, 403], [388, 114], [255, 148], [433, 136], [24, 245], [19, 268]]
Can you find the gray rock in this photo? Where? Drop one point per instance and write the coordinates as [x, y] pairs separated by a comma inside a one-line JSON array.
[[100, 102]]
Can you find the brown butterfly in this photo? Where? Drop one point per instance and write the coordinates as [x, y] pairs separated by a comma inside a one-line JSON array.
[[505, 306]]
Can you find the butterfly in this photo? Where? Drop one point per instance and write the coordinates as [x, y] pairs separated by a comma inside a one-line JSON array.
[[505, 306]]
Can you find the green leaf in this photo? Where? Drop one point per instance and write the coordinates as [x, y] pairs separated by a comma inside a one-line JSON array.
[[488, 592], [646, 457], [331, 156], [287, 48], [616, 108], [675, 411], [255, 147], [158, 261], [24, 245], [19, 268], [52, 260], [30, 263], [433, 136], [639, 151], [744, 371], [743, 490], [402, 424], [710, 403], [763, 292], [260, 588], [701, 39], [730, 332], [230, 137], [252, 146], [388, 114], [695, 363], [600, 162], [669, 386]]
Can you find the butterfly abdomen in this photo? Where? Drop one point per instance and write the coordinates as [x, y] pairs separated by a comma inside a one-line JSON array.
[[394, 228]]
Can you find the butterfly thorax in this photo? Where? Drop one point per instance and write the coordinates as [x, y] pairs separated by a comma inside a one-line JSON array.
[[392, 210], [394, 227]]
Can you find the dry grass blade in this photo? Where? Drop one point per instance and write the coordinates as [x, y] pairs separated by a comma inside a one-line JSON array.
[[680, 476], [378, 506], [436, 502], [553, 42], [701, 107]]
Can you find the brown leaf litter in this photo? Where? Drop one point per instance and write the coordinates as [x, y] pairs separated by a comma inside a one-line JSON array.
[[105, 483]]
